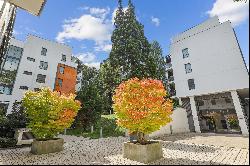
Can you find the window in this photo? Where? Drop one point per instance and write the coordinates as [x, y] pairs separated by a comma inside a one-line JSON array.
[[5, 90], [191, 84], [41, 78], [64, 59], [27, 73], [61, 70], [60, 81], [44, 51], [31, 59], [185, 53], [188, 68], [24, 87], [43, 65], [213, 102]]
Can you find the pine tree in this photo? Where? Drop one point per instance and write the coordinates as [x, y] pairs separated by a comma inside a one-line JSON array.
[[130, 47], [156, 63]]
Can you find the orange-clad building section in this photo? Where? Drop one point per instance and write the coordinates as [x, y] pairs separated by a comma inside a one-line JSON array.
[[65, 79]]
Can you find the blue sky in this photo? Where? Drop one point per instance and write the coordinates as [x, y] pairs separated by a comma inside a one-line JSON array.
[[86, 25]]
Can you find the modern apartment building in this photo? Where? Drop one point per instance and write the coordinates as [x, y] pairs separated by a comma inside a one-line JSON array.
[[8, 15], [33, 64], [207, 72], [7, 20]]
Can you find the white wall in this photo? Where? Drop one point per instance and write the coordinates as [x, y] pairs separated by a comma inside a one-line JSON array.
[[215, 57], [32, 48], [179, 124]]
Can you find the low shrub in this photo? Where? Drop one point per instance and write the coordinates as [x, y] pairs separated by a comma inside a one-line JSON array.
[[7, 142]]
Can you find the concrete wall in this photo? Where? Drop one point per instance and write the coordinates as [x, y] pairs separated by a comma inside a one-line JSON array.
[[215, 56], [178, 125]]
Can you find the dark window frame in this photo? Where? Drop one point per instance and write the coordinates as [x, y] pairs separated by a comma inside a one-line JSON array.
[[184, 54], [27, 73], [38, 79], [44, 51], [191, 84]]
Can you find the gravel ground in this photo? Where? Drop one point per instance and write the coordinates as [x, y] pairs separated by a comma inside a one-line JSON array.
[[180, 149]]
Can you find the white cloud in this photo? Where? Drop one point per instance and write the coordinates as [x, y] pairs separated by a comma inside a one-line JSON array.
[[86, 27], [89, 59], [155, 21], [106, 47], [86, 57], [94, 26], [236, 12], [99, 12], [94, 64]]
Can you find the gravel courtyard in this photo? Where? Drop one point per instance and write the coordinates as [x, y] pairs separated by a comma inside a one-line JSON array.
[[184, 149]]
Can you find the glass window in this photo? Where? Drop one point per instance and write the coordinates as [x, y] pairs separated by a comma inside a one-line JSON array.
[[41, 78], [31, 59], [44, 51], [24, 87], [191, 84], [43, 65], [60, 81], [64, 59], [61, 70], [185, 53], [188, 68], [27, 73]]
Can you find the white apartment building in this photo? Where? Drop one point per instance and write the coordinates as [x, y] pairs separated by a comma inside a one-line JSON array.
[[7, 19], [33, 64], [207, 72], [8, 15]]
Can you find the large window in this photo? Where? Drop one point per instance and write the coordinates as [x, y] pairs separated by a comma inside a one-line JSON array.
[[3, 108], [61, 70], [27, 73], [5, 90], [188, 68], [64, 59], [43, 65], [31, 59], [185, 53], [44, 51], [60, 82], [191, 84], [24, 87], [41, 78]]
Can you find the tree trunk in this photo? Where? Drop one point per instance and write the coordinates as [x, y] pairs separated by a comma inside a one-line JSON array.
[[141, 138]]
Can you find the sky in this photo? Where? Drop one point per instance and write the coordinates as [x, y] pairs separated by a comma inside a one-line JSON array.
[[87, 25]]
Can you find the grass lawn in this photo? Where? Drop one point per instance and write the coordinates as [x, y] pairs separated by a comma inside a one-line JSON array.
[[108, 124]]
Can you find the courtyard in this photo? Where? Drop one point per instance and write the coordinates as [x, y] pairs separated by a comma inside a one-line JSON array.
[[179, 149]]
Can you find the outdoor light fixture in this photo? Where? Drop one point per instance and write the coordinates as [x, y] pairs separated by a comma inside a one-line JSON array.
[[34, 7]]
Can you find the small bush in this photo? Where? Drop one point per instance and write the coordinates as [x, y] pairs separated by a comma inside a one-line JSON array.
[[8, 124], [7, 142], [49, 113]]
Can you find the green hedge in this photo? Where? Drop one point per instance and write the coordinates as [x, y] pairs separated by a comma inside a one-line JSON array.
[[7, 142]]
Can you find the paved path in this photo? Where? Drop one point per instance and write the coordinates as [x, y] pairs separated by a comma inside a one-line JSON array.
[[187, 149]]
